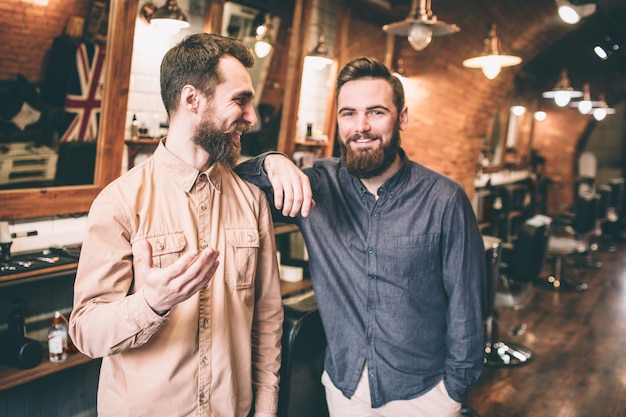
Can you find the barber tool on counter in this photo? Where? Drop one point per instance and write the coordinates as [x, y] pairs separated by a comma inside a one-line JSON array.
[[5, 242], [16, 350]]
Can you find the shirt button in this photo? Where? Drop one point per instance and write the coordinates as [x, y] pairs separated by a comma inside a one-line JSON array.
[[203, 244], [204, 361], [160, 246], [203, 206], [374, 214], [250, 238], [370, 250], [202, 398], [205, 323], [372, 278]]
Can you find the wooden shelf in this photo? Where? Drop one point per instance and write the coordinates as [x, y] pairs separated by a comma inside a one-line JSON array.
[[12, 377], [39, 274]]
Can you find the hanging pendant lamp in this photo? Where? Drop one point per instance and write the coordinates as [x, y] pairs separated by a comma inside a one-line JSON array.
[[420, 26], [562, 93], [492, 59]]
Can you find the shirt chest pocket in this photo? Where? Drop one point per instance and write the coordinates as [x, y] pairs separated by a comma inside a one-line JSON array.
[[167, 248], [410, 256], [242, 252]]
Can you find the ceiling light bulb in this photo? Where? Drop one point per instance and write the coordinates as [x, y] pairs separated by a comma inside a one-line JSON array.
[[491, 66], [262, 48], [562, 98], [540, 115], [600, 52], [584, 106], [518, 110], [599, 114], [568, 14], [420, 37]]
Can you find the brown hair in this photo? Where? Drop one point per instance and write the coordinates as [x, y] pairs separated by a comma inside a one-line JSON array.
[[195, 61], [365, 67]]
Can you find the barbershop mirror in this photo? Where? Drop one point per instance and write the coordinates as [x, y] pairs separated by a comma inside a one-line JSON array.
[[66, 199]]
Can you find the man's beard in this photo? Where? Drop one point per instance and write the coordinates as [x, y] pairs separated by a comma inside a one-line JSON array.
[[370, 162], [218, 142]]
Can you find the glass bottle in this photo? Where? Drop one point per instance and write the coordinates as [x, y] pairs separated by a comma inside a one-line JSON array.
[[57, 338]]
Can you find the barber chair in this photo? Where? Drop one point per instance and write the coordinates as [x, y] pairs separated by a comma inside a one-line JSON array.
[[522, 262], [614, 224], [607, 220], [497, 353], [570, 241], [304, 343], [587, 164]]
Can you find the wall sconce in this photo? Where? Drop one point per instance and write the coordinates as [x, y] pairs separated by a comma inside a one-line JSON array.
[[600, 112], [562, 93], [168, 18], [319, 58], [263, 40], [492, 59], [572, 11], [420, 26]]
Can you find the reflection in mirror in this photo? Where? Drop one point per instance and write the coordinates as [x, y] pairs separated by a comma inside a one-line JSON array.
[[51, 94], [316, 95], [45, 201], [242, 22]]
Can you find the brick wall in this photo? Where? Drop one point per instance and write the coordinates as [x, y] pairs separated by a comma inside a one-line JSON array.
[[27, 32]]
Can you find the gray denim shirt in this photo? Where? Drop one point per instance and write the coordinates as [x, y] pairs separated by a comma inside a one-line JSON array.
[[398, 280]]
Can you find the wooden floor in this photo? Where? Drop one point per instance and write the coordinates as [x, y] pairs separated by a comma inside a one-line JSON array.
[[579, 345]]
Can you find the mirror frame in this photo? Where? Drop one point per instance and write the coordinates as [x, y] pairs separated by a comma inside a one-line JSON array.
[[39, 202]]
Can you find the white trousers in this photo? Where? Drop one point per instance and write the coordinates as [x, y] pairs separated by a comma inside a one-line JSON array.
[[434, 403]]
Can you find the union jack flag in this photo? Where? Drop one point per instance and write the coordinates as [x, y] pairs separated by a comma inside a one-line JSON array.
[[83, 101]]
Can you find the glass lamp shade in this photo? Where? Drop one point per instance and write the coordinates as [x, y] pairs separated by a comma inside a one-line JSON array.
[[420, 36], [599, 114], [169, 19], [319, 57], [492, 64], [263, 38], [420, 26], [584, 106], [568, 14]]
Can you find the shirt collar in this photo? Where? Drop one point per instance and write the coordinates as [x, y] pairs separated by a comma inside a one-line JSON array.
[[183, 174]]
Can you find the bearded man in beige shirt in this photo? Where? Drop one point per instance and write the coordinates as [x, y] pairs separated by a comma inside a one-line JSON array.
[[177, 286]]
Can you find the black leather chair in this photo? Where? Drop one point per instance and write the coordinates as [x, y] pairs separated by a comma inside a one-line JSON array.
[[497, 352], [304, 343], [511, 280], [522, 262]]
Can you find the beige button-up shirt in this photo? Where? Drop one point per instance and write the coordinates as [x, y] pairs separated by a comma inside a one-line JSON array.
[[210, 355]]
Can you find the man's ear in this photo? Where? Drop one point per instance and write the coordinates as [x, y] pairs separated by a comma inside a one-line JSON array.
[[190, 98], [404, 118]]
